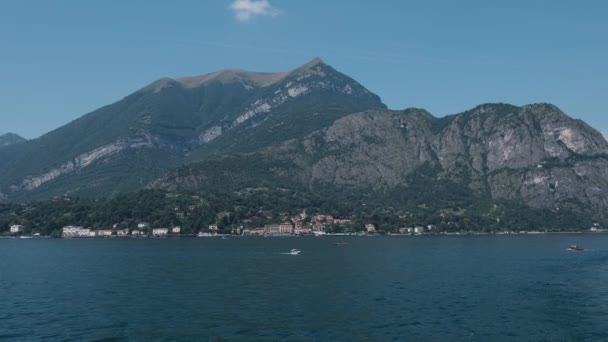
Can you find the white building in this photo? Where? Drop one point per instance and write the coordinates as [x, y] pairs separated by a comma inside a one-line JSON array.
[[419, 230], [143, 225], [160, 231], [104, 233], [213, 227], [74, 231], [122, 232], [370, 228], [17, 228], [176, 230]]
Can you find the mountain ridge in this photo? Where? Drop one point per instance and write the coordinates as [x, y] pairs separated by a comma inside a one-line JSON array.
[[533, 154], [9, 138], [247, 78], [164, 124]]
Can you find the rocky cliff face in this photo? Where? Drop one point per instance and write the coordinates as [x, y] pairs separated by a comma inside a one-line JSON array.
[[535, 155]]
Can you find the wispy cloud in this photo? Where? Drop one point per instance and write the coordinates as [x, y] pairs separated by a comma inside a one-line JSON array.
[[245, 10]]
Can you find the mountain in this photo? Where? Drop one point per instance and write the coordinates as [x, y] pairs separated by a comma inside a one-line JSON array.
[[316, 135], [10, 139], [535, 156], [125, 145]]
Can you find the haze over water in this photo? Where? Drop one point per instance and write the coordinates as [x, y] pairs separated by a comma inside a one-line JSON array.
[[470, 288]]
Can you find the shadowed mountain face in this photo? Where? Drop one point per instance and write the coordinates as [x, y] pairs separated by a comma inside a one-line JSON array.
[[535, 155], [10, 139], [125, 145]]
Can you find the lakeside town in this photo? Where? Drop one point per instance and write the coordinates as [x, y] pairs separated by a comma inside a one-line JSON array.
[[297, 225]]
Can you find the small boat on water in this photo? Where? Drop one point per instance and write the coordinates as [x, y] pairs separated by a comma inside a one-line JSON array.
[[294, 252], [576, 248]]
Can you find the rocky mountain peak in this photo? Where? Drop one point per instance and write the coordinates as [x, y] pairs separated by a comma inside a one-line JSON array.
[[249, 79]]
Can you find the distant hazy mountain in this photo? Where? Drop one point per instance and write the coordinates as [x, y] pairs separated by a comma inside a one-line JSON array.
[[10, 139], [534, 155], [125, 145]]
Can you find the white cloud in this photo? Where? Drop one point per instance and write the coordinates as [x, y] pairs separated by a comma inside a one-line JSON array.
[[245, 10]]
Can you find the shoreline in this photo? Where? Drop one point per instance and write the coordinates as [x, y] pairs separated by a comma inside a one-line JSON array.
[[189, 236]]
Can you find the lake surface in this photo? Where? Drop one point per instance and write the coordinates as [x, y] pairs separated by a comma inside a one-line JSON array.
[[461, 288]]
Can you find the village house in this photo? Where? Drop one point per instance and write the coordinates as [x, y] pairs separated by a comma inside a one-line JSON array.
[[176, 230], [137, 232], [406, 230], [318, 227], [419, 230], [17, 228], [143, 225], [122, 232], [160, 231], [319, 218], [299, 230], [76, 231], [254, 232], [370, 228], [104, 233], [237, 230], [286, 228], [272, 229], [213, 227]]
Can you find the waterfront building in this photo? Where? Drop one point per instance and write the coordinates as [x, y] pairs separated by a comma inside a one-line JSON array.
[[17, 228], [302, 230], [104, 233], [76, 231], [286, 228], [318, 227], [143, 225], [160, 231], [176, 230], [213, 227], [419, 230], [370, 228], [122, 232], [272, 229]]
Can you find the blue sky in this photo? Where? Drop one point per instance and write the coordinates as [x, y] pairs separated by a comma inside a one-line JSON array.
[[61, 59]]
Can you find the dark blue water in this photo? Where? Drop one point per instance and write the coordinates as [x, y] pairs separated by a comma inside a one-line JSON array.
[[484, 288]]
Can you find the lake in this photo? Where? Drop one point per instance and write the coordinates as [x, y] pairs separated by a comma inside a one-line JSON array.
[[448, 288]]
